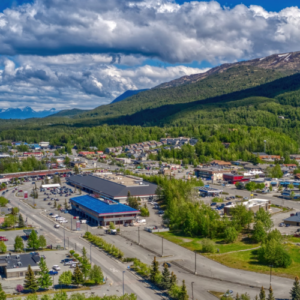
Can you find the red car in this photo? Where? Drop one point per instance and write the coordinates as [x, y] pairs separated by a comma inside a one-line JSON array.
[[3, 239]]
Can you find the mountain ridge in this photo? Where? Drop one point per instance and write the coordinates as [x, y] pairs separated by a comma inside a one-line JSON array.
[[25, 113]]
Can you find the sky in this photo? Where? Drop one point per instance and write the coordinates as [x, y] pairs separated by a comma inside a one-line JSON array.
[[62, 54]]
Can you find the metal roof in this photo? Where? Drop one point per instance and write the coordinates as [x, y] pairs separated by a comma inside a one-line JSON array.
[[102, 207], [293, 219], [20, 260], [113, 189]]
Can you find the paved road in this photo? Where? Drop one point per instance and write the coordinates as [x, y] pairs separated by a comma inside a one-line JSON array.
[[111, 268]]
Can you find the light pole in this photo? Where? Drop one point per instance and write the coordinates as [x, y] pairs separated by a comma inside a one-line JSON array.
[[64, 239], [162, 247], [271, 266], [195, 262], [139, 234], [192, 290], [91, 253], [123, 282]]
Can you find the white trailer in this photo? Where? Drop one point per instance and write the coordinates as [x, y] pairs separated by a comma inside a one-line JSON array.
[[54, 185]]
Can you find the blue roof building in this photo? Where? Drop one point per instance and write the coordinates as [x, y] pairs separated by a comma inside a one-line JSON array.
[[103, 211]]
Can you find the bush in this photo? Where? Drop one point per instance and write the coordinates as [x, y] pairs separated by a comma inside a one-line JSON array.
[[230, 234], [217, 199], [208, 246], [19, 288], [273, 253]]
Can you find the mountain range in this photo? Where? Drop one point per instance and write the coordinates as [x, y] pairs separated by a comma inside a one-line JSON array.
[[25, 113], [127, 94], [254, 93]]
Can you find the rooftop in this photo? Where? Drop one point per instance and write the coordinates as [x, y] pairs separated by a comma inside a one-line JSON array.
[[101, 206], [115, 185], [19, 260]]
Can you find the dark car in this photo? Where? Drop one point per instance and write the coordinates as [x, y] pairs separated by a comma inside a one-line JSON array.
[[213, 204], [126, 225], [49, 203], [228, 203], [52, 273]]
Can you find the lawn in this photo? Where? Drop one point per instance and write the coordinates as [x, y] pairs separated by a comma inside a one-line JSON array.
[[194, 243], [247, 260]]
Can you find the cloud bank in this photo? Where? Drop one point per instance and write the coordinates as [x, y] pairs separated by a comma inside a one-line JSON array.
[[64, 53]]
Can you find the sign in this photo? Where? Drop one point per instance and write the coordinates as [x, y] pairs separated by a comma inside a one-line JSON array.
[[77, 225], [25, 194], [207, 186]]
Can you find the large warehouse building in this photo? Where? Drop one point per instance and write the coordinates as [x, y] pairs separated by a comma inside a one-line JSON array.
[[102, 212], [114, 187]]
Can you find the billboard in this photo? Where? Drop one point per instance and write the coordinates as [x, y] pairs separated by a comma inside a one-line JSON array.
[[77, 225]]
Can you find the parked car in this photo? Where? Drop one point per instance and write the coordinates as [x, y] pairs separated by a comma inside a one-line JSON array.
[[281, 225], [83, 221], [213, 204], [56, 226], [52, 273], [56, 267]]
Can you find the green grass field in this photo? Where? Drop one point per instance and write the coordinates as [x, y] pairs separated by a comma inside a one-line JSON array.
[[247, 260], [194, 244]]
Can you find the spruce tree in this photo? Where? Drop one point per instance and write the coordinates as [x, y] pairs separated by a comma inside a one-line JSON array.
[[21, 221], [30, 282], [295, 292], [2, 293], [173, 279], [166, 278], [77, 277], [84, 253], [271, 295], [183, 293], [44, 280], [154, 270], [262, 294]]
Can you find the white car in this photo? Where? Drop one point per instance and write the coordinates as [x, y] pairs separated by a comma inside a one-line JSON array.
[[54, 216], [56, 226], [56, 267], [63, 221], [59, 218]]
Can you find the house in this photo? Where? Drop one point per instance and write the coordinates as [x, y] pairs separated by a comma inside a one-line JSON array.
[[35, 154], [86, 153], [124, 160], [269, 157], [110, 150], [220, 163]]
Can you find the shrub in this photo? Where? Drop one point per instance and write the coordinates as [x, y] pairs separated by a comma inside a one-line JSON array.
[[230, 234], [208, 246], [19, 288]]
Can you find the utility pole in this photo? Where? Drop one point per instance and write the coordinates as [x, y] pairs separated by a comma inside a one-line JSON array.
[[91, 253], [123, 283], [271, 274], [64, 239], [162, 247], [139, 234], [195, 263]]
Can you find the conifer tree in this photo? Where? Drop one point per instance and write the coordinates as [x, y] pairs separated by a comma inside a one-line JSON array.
[[166, 278], [2, 293], [30, 282], [173, 279], [183, 293], [295, 292], [154, 270], [21, 221], [33, 241], [271, 295], [84, 253], [44, 280], [262, 294], [77, 277]]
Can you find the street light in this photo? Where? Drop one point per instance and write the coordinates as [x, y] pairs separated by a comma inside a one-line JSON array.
[[271, 266], [123, 282], [195, 262], [192, 290]]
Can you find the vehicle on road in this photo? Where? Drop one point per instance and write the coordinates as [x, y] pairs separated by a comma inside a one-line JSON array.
[[54, 216], [213, 204], [281, 225], [83, 221], [56, 226]]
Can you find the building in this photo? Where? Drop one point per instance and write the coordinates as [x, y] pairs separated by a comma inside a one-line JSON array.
[[35, 154], [114, 187], [207, 191], [85, 153], [270, 157], [287, 194], [293, 220], [103, 211], [253, 204], [44, 144], [124, 160], [220, 163], [234, 178], [210, 174], [15, 266]]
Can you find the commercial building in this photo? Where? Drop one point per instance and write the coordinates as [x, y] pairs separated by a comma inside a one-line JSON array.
[[293, 220], [103, 211], [210, 173], [233, 178], [15, 266], [253, 204], [114, 187]]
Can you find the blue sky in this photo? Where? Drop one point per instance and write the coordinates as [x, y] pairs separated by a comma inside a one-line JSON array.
[[63, 54]]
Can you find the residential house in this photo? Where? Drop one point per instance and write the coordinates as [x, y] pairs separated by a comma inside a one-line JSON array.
[[220, 163]]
